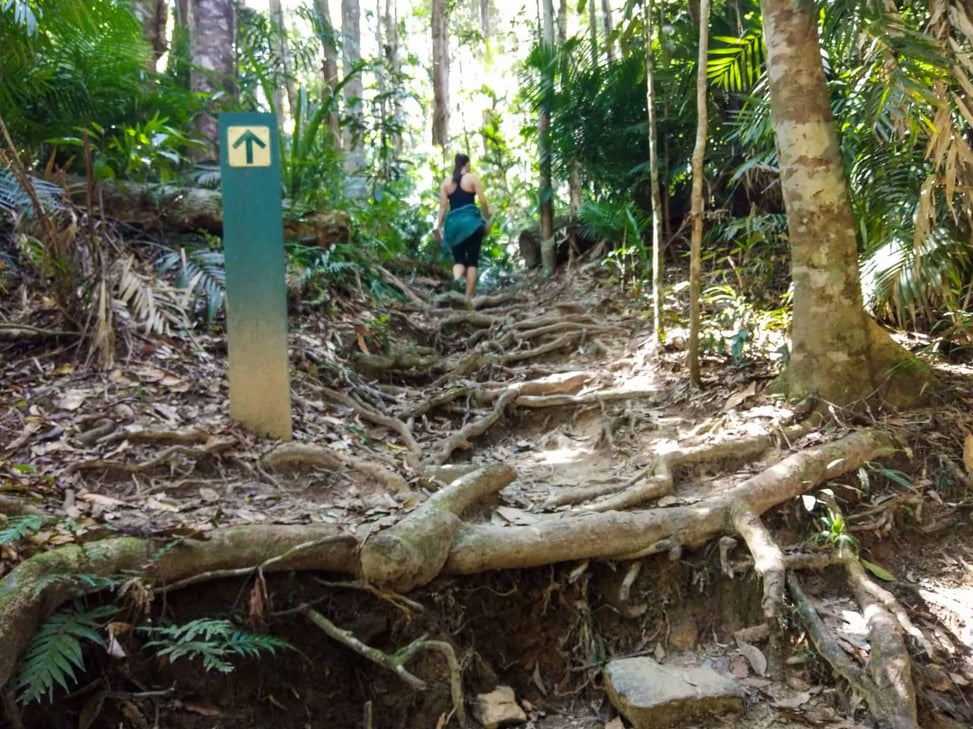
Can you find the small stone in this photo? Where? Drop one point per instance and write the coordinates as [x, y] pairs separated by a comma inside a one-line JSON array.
[[654, 696], [683, 633], [499, 709]]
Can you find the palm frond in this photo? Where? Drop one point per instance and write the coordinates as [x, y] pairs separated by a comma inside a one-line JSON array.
[[151, 303]]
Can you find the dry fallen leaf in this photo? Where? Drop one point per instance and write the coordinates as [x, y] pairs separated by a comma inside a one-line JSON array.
[[968, 454], [754, 656]]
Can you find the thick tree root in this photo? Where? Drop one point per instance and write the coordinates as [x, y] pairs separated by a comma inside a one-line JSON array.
[[412, 552], [395, 662], [887, 683], [619, 535]]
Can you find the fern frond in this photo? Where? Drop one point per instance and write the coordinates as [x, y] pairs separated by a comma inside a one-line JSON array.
[[212, 640], [18, 527], [54, 655]]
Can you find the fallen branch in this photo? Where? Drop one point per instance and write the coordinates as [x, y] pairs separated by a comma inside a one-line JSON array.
[[14, 332]]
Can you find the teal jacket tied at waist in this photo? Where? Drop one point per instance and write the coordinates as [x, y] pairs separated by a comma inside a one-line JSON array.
[[460, 224]]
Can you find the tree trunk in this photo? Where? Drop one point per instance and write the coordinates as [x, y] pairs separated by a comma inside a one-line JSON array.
[[211, 50], [277, 43], [440, 73], [606, 10], [653, 175], [350, 59], [546, 191], [394, 62], [699, 151], [153, 14], [593, 32], [329, 70], [837, 352]]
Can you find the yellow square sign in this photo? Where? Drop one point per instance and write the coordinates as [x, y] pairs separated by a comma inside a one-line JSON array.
[[248, 146]]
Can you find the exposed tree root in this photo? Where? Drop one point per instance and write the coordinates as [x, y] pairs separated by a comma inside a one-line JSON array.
[[373, 416], [461, 438], [657, 481], [395, 662], [592, 398], [216, 445], [288, 456], [623, 535], [889, 694], [412, 552]]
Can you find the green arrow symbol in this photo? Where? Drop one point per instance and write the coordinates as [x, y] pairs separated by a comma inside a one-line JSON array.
[[249, 138]]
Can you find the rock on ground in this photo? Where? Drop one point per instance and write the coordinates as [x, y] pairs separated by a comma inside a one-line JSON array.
[[499, 708], [654, 696]]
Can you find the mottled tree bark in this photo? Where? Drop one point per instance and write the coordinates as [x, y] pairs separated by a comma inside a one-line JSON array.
[[440, 72], [837, 352], [211, 49], [350, 59]]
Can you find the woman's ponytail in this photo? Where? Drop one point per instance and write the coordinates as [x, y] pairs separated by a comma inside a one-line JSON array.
[[459, 163]]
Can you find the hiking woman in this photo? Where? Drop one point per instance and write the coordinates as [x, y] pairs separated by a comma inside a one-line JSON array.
[[462, 228]]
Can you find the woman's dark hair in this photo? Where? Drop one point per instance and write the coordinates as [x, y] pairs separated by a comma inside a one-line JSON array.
[[459, 163]]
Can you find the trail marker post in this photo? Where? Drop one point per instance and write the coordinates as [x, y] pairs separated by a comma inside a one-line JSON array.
[[256, 294]]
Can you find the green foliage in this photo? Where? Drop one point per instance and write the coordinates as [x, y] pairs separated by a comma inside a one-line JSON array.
[[739, 329], [832, 529], [150, 151], [622, 225], [200, 274], [80, 582], [313, 272], [55, 652], [19, 527], [216, 642], [735, 64]]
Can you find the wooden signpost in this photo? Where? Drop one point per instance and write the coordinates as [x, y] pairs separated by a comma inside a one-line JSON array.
[[256, 295]]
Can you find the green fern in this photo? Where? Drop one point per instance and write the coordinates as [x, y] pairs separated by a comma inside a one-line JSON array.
[[18, 527], [54, 655], [200, 273], [214, 641]]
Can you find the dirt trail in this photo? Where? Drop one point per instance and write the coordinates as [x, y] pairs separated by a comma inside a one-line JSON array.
[[557, 381]]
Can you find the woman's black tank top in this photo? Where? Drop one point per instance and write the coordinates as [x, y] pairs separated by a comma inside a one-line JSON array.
[[460, 197]]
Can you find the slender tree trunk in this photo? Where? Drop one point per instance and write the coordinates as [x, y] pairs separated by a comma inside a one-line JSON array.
[[606, 11], [393, 62], [486, 22], [329, 70], [277, 43], [657, 280], [593, 32], [153, 14], [698, 204], [546, 186], [350, 59], [562, 22], [211, 49], [440, 72], [837, 352]]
